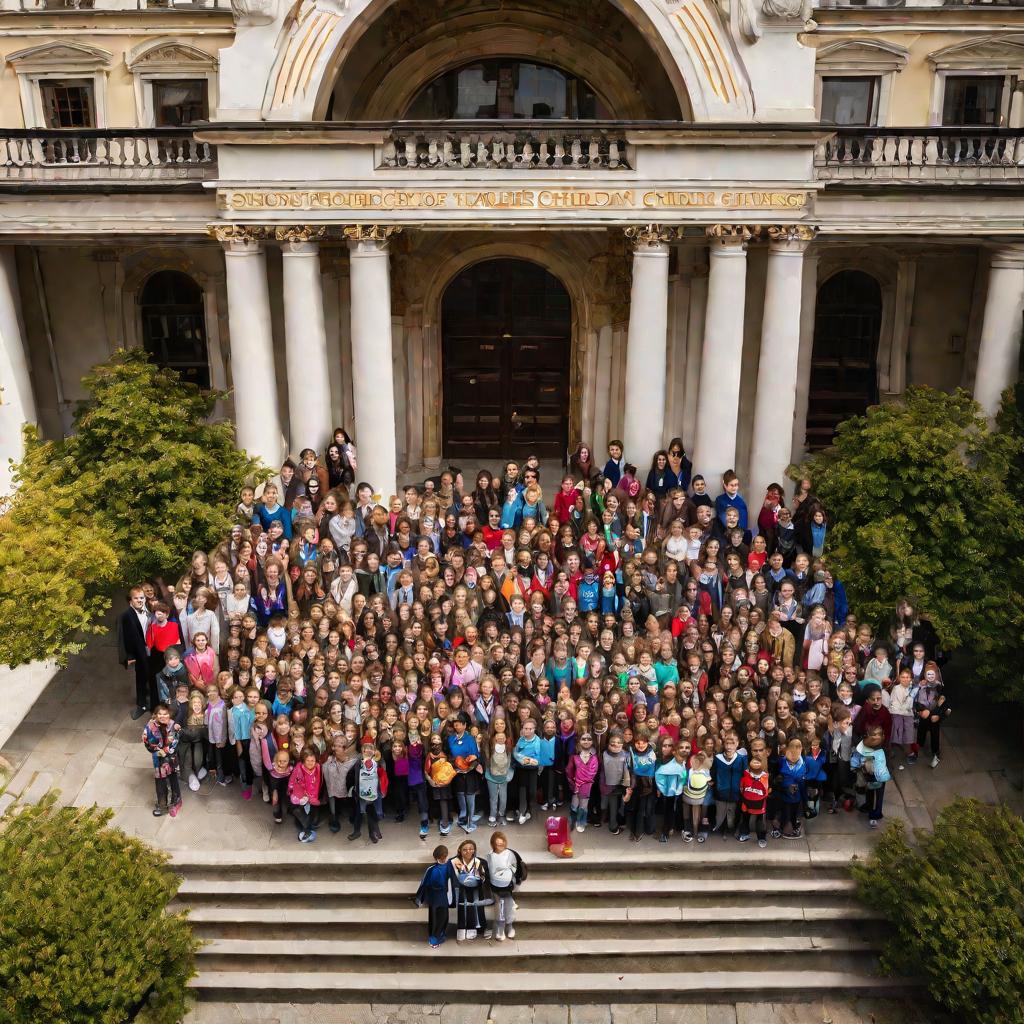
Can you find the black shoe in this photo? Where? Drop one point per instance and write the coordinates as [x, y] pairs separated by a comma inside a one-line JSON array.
[[138, 713], [355, 835], [334, 827], [375, 837], [400, 817]]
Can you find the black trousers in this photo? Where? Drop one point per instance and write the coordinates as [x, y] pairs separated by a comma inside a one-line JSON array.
[[145, 684], [437, 922]]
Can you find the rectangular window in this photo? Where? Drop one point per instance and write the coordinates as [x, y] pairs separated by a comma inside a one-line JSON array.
[[973, 100], [68, 103], [179, 103], [849, 99]]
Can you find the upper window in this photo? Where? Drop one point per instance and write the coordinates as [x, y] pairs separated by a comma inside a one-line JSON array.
[[976, 99], [174, 325], [506, 89], [179, 103], [849, 99], [68, 102]]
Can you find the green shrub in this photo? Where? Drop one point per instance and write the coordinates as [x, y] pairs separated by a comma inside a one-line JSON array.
[[84, 933], [955, 900]]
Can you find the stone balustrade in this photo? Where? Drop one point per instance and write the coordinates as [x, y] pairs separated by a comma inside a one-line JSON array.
[[914, 154], [505, 150], [157, 154]]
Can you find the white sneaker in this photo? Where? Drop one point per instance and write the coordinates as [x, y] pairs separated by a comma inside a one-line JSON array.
[[581, 828], [492, 822], [510, 932], [499, 936], [522, 818], [460, 935], [470, 933], [935, 761], [201, 774], [193, 782]]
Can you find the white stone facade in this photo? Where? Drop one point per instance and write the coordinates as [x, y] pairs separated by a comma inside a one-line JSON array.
[[700, 231]]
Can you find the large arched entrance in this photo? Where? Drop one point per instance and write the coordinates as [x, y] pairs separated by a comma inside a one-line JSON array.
[[844, 375], [506, 328]]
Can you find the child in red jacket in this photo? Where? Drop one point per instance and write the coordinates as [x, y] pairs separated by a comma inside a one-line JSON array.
[[754, 790]]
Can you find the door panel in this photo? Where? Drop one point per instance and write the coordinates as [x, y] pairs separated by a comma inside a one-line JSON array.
[[506, 327]]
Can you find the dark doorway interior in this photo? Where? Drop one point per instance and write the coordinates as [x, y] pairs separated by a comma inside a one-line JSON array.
[[174, 325], [844, 377], [507, 340]]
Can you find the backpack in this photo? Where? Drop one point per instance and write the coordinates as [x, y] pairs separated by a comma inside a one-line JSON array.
[[521, 872]]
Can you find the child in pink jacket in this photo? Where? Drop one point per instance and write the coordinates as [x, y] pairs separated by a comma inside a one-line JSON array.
[[304, 794], [581, 773]]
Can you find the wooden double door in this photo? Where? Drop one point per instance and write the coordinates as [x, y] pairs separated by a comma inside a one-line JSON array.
[[507, 341]]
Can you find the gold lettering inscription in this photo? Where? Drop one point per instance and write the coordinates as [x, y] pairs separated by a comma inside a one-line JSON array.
[[248, 200]]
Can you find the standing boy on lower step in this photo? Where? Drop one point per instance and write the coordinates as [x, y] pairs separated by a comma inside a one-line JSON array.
[[434, 891]]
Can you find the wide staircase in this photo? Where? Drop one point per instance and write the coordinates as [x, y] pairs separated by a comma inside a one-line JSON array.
[[702, 924]]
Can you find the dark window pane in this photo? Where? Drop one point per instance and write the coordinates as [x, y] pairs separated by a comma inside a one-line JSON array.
[[972, 100], [68, 103], [178, 103], [174, 325], [506, 89], [848, 100]]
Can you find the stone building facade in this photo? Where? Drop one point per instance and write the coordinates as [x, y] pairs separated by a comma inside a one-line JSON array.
[[473, 228]]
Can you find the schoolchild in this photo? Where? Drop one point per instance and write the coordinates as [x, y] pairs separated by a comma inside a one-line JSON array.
[[304, 794], [336, 771], [640, 795], [670, 780], [506, 871], [161, 737], [615, 780], [435, 893], [869, 763], [727, 770], [369, 781], [791, 783], [696, 789], [581, 773], [754, 788]]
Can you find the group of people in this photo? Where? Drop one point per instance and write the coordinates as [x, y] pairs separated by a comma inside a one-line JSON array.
[[635, 652]]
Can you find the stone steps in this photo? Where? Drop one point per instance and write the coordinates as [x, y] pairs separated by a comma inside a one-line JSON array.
[[337, 925]]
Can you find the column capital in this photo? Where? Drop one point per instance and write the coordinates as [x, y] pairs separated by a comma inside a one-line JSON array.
[[1008, 256], [369, 237], [300, 238], [238, 237], [791, 238], [650, 236], [731, 234]]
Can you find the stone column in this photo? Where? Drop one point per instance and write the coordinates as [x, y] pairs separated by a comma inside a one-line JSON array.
[[309, 373], [718, 395], [17, 400], [647, 344], [253, 376], [771, 446], [372, 371], [999, 348]]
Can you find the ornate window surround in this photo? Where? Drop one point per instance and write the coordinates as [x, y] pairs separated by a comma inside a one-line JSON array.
[[1001, 56], [167, 58], [867, 58], [59, 59]]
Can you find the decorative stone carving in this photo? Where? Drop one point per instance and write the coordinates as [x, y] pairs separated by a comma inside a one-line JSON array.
[[786, 10], [731, 233], [300, 233], [790, 232], [370, 232], [254, 12], [237, 235], [650, 234]]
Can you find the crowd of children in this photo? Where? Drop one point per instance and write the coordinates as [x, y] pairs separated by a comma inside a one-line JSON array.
[[646, 656]]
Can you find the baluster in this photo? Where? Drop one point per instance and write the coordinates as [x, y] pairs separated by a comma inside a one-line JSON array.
[[1005, 148], [986, 149], [594, 153], [559, 160], [432, 157], [115, 151], [497, 152], [410, 152], [482, 155], [931, 150], [449, 158], [5, 156], [529, 155], [466, 158], [1018, 151], [576, 153], [100, 154], [917, 151], [877, 153], [613, 155], [388, 156], [889, 150], [544, 156]]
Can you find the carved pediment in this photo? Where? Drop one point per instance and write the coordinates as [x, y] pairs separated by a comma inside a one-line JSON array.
[[861, 55], [169, 54], [61, 55], [990, 53]]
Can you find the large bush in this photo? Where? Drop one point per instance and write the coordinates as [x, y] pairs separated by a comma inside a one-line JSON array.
[[160, 478], [84, 933], [926, 503], [955, 901]]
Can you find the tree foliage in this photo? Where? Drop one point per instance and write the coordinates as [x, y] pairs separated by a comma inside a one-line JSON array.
[[56, 568], [925, 504], [159, 477], [85, 937], [956, 905]]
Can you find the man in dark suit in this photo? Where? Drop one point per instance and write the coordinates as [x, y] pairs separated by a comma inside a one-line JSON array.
[[133, 652]]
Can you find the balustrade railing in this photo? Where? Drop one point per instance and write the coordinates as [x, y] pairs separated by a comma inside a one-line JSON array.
[[935, 154], [506, 150], [70, 155]]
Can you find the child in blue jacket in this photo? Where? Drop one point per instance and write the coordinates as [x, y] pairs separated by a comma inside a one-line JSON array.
[[435, 892], [790, 783], [816, 759], [546, 763], [868, 761], [726, 776]]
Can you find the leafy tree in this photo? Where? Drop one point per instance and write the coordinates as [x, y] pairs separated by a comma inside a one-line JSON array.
[[84, 933], [159, 477], [55, 570], [955, 902], [907, 502]]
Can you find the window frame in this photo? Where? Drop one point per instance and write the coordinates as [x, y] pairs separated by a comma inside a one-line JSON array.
[[68, 83], [874, 101], [168, 59], [1008, 77], [854, 58], [56, 61]]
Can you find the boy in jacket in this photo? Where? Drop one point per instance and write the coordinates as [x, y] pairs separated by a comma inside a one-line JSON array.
[[726, 777], [435, 892]]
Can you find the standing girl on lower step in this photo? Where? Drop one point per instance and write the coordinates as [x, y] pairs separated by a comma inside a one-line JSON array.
[[506, 870]]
